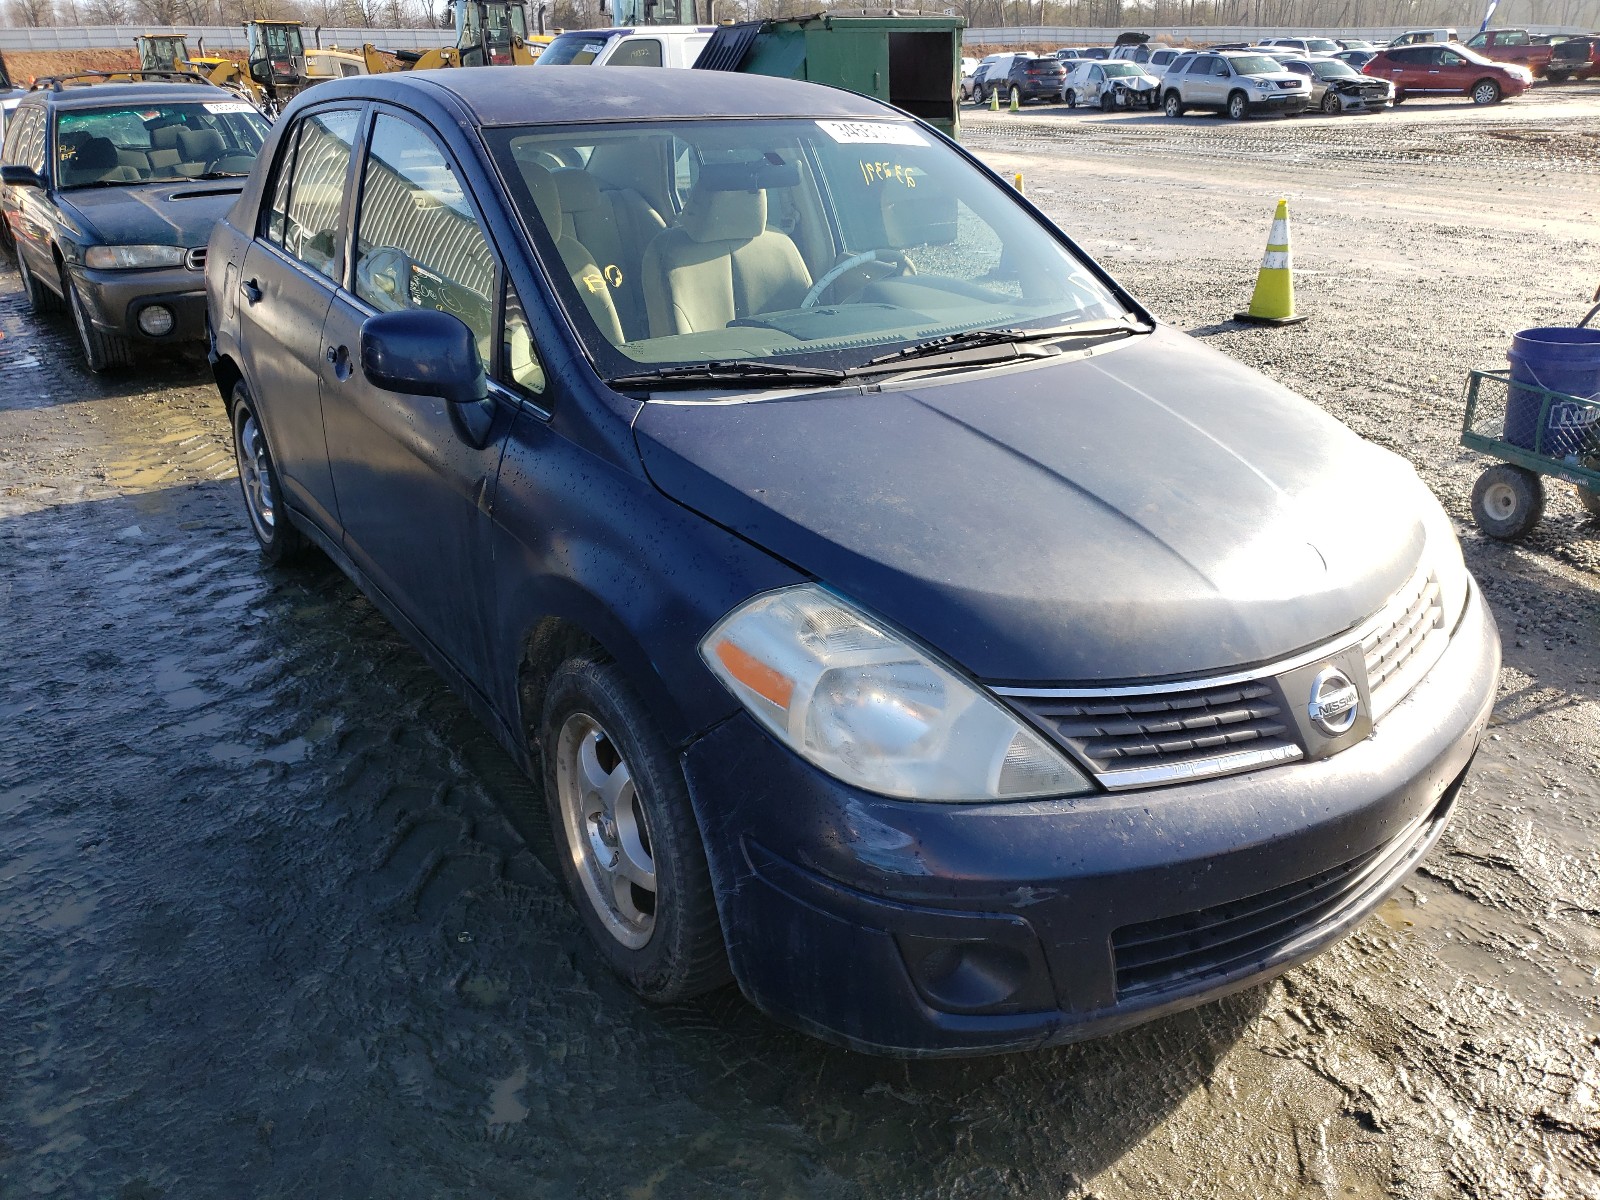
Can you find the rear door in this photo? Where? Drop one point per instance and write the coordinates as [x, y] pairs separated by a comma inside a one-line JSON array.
[[285, 285], [415, 477]]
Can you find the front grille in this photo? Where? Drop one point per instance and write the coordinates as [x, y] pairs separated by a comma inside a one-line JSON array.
[[1173, 952], [1134, 740], [1404, 641], [195, 260], [1288, 84]]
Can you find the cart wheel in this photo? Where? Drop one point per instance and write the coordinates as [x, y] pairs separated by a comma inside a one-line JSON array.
[[1590, 502], [1507, 501]]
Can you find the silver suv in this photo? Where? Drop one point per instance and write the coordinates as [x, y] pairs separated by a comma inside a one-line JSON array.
[[1234, 82]]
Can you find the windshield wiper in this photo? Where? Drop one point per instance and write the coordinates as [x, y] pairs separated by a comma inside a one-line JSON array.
[[215, 175], [735, 372], [970, 338]]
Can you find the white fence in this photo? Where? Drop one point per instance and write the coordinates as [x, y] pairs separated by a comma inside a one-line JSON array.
[[217, 37], [1068, 35]]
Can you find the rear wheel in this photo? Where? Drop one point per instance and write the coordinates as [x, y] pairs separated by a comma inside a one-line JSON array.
[[1238, 106], [629, 847], [1557, 76], [280, 541], [1507, 501], [101, 351], [1486, 91], [1173, 106]]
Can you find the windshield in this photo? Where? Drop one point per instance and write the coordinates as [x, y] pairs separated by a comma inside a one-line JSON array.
[[1334, 70], [153, 143], [813, 243], [573, 49], [1122, 68], [1255, 64], [1322, 45]]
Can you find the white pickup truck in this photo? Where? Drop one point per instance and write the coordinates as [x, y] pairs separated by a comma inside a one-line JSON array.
[[625, 46]]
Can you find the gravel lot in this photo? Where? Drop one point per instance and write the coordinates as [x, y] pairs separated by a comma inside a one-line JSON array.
[[276, 917]]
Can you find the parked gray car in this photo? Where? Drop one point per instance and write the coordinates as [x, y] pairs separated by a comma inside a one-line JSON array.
[[1234, 82], [1337, 87], [110, 192]]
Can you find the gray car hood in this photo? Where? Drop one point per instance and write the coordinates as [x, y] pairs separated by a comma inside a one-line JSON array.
[[164, 214], [1150, 509]]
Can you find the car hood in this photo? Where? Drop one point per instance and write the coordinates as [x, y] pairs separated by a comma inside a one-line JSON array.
[[1149, 509], [1139, 83], [164, 214]]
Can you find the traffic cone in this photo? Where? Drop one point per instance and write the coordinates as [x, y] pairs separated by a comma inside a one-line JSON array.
[[1015, 107], [1273, 300], [994, 100]]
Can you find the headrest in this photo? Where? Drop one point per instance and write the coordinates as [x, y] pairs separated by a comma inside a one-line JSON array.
[[546, 196], [199, 145], [96, 154], [711, 216], [579, 190], [165, 138]]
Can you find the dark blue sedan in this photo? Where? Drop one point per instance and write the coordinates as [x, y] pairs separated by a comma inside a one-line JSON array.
[[902, 622]]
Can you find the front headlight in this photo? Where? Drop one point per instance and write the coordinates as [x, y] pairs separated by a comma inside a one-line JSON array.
[[1264, 85], [128, 258], [862, 704]]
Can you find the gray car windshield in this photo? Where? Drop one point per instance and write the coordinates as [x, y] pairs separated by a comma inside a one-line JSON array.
[[1122, 68], [797, 242], [1334, 70], [155, 143]]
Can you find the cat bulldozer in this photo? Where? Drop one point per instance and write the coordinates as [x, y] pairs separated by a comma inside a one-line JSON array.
[[488, 33]]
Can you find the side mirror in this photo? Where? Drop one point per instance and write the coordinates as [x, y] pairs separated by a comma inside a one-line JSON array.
[[423, 352], [19, 176]]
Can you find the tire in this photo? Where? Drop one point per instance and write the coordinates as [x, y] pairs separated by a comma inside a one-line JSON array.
[[101, 351], [1107, 104], [1557, 76], [650, 909], [1507, 501], [1069, 98], [1173, 104], [1238, 106], [1014, 96], [1399, 98], [1486, 91], [1331, 104], [279, 540], [1589, 502], [40, 298]]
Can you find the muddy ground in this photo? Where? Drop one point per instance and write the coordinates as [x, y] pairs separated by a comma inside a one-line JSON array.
[[276, 917]]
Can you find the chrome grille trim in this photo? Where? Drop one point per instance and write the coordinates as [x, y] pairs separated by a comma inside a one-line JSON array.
[[1203, 768], [1402, 645], [195, 259]]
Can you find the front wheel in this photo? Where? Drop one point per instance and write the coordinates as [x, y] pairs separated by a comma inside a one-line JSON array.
[[101, 351], [1507, 501], [1486, 91], [1173, 106], [280, 541], [1107, 104], [1069, 98], [629, 847], [1331, 104], [1238, 106], [40, 298]]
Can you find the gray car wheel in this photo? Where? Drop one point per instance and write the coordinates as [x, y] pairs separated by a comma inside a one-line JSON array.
[[280, 541], [101, 351], [1486, 91], [1238, 106], [627, 840], [1174, 104], [1331, 104], [1069, 98]]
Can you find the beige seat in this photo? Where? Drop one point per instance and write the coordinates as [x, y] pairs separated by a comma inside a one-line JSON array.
[[718, 263], [616, 225], [164, 154], [93, 161], [575, 256], [198, 149]]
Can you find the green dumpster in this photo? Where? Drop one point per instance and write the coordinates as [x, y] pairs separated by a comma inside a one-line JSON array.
[[912, 62]]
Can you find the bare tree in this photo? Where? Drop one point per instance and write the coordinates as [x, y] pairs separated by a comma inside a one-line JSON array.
[[106, 12], [31, 12]]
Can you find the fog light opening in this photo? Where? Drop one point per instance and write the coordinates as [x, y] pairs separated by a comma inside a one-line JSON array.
[[156, 320]]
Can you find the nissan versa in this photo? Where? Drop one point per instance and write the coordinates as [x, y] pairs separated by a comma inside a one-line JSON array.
[[902, 621]]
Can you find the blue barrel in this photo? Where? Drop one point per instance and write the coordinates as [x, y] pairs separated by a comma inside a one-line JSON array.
[[1557, 360]]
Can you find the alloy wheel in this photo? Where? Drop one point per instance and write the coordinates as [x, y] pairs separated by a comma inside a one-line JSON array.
[[250, 451]]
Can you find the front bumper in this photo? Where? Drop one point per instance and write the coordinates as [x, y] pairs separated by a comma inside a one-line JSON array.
[[1284, 102], [932, 929], [115, 299]]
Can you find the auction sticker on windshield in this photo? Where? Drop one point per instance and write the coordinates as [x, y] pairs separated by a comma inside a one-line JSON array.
[[229, 106], [872, 132]]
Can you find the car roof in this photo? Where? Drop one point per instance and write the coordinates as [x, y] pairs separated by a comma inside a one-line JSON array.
[[580, 95], [101, 95]]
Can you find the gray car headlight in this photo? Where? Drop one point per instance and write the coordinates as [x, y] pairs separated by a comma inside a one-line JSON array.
[[128, 258], [861, 703]]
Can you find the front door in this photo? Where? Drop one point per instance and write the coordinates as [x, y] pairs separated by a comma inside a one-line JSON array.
[[284, 286], [415, 479]]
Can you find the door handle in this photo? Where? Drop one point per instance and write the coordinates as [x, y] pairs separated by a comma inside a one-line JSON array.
[[333, 353], [251, 290], [339, 358]]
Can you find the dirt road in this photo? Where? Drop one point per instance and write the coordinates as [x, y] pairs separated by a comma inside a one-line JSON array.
[[276, 920]]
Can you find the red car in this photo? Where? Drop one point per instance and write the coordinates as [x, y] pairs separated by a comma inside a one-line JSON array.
[[1447, 69]]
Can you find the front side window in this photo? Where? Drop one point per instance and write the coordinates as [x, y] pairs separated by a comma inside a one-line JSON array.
[[311, 200], [417, 241], [812, 242]]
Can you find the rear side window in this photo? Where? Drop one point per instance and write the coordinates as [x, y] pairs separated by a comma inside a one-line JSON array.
[[637, 52], [309, 191], [418, 244]]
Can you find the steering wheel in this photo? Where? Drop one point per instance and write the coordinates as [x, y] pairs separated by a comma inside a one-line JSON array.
[[855, 260]]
